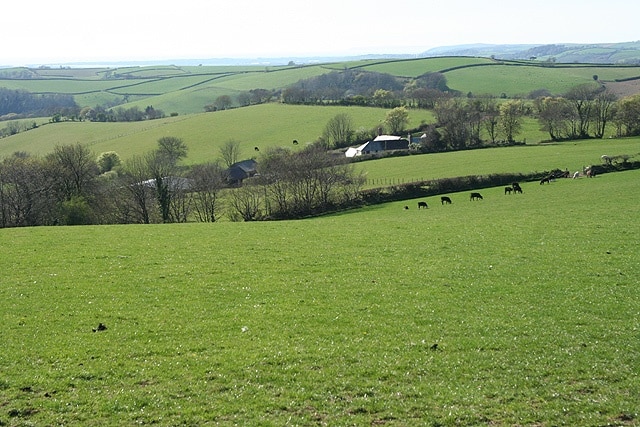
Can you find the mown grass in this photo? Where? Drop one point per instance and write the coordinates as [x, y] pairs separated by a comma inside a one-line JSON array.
[[531, 299]]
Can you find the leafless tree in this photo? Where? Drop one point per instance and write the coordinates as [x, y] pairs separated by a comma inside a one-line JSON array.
[[208, 180], [246, 202], [230, 152]]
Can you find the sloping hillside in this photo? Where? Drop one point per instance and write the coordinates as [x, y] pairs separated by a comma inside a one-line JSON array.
[[601, 53]]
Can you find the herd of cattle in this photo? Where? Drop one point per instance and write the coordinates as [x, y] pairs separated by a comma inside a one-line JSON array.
[[513, 188]]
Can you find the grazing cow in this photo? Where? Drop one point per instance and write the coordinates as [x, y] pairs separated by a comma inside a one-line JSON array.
[[101, 327], [256, 148], [591, 173], [406, 208], [295, 142], [445, 199], [475, 196], [576, 174], [508, 190], [422, 205], [546, 180]]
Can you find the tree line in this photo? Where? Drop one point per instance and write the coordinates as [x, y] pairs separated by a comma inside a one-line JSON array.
[[21, 103], [366, 88], [71, 186], [585, 111]]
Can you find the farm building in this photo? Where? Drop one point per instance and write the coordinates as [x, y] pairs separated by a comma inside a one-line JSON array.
[[380, 144], [174, 183], [240, 171]]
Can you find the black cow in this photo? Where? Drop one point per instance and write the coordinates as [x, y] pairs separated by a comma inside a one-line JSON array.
[[475, 196], [256, 148], [516, 188], [546, 180], [101, 327], [422, 205], [508, 190], [445, 199]]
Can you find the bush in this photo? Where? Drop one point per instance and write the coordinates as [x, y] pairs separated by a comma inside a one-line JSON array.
[[77, 212]]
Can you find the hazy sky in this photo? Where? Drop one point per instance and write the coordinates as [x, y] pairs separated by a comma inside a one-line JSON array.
[[50, 32]]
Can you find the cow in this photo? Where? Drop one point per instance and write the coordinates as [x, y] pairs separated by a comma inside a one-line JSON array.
[[422, 205], [101, 327], [256, 148], [516, 188], [295, 142], [406, 208], [445, 199], [475, 196], [508, 190], [545, 180]]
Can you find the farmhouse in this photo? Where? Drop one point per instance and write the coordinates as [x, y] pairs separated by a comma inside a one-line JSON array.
[[240, 171], [174, 183], [380, 144]]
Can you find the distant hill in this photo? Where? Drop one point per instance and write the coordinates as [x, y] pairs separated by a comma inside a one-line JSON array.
[[600, 53]]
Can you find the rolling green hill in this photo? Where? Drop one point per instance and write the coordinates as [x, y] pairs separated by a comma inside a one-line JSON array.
[[265, 125], [187, 89], [184, 90]]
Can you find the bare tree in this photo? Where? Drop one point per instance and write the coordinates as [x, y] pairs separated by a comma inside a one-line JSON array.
[[230, 152], [25, 192], [138, 205], [172, 149], [246, 202], [553, 115], [208, 180], [511, 113], [451, 118], [75, 170], [602, 111], [581, 101]]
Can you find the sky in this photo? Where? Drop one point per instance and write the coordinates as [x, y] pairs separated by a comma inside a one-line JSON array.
[[45, 32]]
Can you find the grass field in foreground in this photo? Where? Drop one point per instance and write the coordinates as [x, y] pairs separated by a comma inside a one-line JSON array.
[[531, 299]]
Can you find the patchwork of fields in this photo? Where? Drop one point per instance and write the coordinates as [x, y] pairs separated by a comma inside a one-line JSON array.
[[513, 310]]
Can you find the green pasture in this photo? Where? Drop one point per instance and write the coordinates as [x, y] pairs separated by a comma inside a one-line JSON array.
[[513, 310], [516, 159], [266, 125], [520, 80], [512, 81], [189, 94], [187, 90], [63, 86], [417, 67]]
